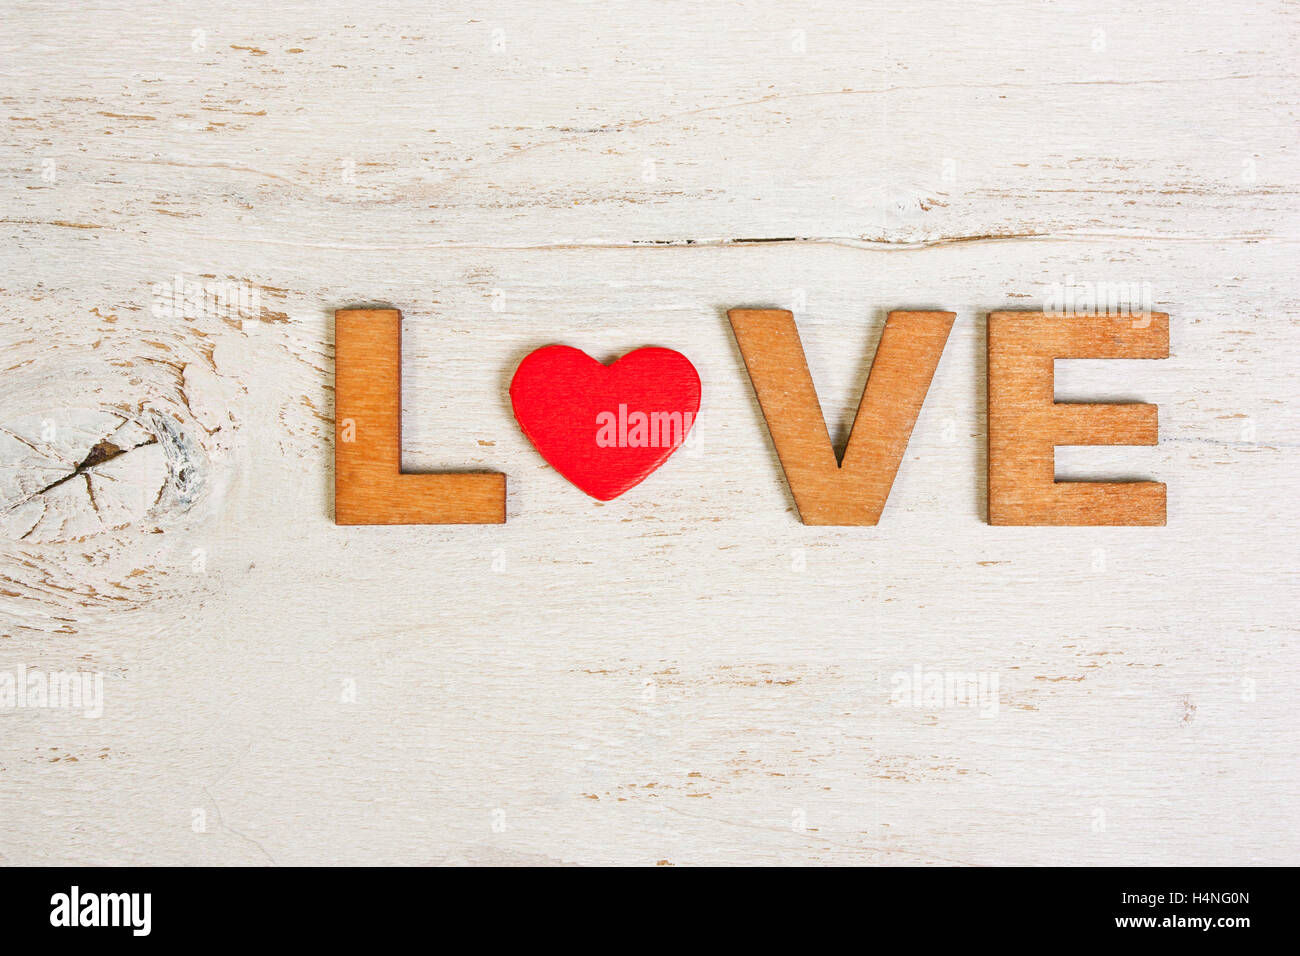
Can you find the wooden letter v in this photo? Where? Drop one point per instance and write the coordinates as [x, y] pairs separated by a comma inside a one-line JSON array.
[[827, 492]]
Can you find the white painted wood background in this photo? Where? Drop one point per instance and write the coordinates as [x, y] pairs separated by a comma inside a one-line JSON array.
[[655, 679]]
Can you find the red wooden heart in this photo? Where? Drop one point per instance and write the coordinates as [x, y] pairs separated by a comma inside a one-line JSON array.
[[605, 427]]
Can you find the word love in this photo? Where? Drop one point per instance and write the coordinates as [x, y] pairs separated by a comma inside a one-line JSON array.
[[606, 428]]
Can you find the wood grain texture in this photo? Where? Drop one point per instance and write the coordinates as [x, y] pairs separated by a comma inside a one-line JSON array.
[[1026, 424], [369, 486], [828, 489], [687, 675]]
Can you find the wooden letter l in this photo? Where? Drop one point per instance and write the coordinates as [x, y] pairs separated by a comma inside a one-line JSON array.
[[369, 485]]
